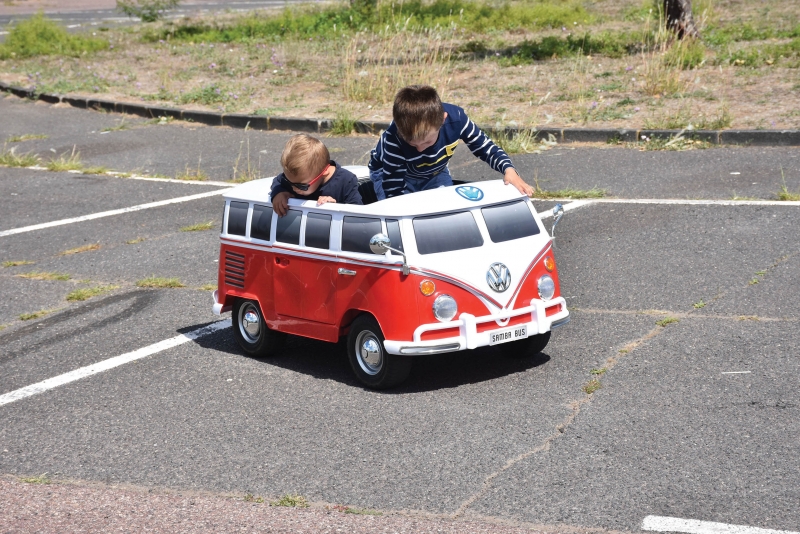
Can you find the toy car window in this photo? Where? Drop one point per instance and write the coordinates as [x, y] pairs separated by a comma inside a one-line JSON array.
[[509, 221], [288, 230], [356, 233], [318, 230], [443, 233], [393, 230], [237, 218], [261, 224]]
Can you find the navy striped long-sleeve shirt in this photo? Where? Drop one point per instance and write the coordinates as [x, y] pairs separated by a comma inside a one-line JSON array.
[[398, 159]]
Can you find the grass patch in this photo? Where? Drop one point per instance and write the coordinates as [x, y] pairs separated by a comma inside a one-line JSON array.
[[611, 44], [197, 174], [154, 282], [699, 304], [134, 241], [12, 263], [293, 501], [34, 315], [199, 227], [66, 163], [523, 141], [40, 275], [10, 158], [568, 192], [208, 287], [667, 320], [415, 15], [591, 386], [361, 511], [41, 479], [249, 497], [598, 372], [79, 250], [89, 292], [343, 123], [784, 193], [94, 170], [38, 36], [25, 137]]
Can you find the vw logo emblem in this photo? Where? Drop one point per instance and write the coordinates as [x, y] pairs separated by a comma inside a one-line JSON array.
[[498, 277], [470, 192]]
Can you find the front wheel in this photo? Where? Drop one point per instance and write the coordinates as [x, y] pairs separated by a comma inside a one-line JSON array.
[[372, 365], [252, 332], [525, 347]]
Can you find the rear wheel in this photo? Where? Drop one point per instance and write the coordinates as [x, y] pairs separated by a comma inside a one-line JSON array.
[[251, 332], [372, 365], [525, 347]]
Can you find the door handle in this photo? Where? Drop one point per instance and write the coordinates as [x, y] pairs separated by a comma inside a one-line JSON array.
[[348, 272]]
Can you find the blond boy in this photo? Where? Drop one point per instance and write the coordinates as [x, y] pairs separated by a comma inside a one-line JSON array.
[[310, 174]]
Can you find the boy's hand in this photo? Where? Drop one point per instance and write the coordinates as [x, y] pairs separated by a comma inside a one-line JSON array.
[[511, 177], [325, 200], [280, 203]]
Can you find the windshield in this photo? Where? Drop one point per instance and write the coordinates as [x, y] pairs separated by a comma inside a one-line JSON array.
[[509, 221], [443, 233]]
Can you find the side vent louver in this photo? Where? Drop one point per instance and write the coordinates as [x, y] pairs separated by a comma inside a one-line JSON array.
[[234, 269]]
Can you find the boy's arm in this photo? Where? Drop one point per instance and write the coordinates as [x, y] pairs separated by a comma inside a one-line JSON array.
[[483, 147], [388, 158]]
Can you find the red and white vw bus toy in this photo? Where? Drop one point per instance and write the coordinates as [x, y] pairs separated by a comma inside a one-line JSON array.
[[445, 270]]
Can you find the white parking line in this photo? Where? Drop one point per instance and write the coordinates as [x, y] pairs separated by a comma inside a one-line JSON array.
[[102, 214], [693, 526], [105, 365]]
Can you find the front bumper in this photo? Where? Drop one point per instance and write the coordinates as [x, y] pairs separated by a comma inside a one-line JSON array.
[[218, 307], [468, 336]]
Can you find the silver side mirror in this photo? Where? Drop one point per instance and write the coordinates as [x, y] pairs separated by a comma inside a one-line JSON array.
[[558, 212], [380, 244]]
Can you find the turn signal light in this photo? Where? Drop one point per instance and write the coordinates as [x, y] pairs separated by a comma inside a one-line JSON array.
[[427, 287], [549, 263]]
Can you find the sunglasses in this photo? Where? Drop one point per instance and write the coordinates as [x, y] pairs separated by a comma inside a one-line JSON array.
[[304, 187]]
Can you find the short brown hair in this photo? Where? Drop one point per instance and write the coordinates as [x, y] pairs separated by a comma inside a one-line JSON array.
[[417, 110], [304, 154]]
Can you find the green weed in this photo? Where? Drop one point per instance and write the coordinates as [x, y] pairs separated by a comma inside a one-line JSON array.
[[134, 241], [249, 497], [598, 372], [17, 263], [66, 163], [199, 227], [361, 511], [784, 193], [591, 386], [89, 292], [94, 170], [343, 123], [39, 36], [25, 137], [667, 320], [39, 275], [699, 304], [294, 501], [208, 287], [81, 249], [154, 282], [34, 315], [9, 158], [146, 10], [41, 479]]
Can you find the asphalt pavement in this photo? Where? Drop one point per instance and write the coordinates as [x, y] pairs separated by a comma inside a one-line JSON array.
[[697, 419]]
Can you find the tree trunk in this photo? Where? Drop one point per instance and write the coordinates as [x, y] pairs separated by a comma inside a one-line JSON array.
[[679, 18]]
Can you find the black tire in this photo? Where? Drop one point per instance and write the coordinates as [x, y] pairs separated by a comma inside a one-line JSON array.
[[255, 337], [372, 365], [525, 347]]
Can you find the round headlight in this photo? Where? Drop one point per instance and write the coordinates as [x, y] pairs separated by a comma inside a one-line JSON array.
[[547, 287], [445, 308]]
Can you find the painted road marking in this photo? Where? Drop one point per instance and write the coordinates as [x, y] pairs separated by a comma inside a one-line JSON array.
[[693, 526], [110, 213], [105, 365]]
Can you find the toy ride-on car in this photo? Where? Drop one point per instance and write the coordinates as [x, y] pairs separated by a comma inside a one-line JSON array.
[[438, 271]]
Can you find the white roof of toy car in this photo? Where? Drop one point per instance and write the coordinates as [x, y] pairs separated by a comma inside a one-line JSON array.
[[441, 200]]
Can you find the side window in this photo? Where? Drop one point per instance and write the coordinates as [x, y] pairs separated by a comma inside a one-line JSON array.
[[318, 230], [262, 222], [393, 228], [237, 218], [288, 230], [356, 233]]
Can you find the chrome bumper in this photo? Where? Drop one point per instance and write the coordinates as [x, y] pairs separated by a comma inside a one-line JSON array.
[[468, 335]]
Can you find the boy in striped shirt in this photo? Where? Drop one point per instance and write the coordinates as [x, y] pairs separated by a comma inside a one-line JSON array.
[[413, 153]]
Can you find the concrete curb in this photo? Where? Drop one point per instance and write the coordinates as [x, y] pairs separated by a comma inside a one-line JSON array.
[[296, 124]]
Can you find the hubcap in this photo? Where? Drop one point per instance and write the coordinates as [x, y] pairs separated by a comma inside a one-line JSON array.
[[249, 322], [370, 352]]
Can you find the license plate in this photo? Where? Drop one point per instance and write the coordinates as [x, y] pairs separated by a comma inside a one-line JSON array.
[[508, 334]]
